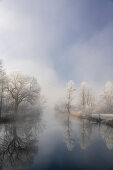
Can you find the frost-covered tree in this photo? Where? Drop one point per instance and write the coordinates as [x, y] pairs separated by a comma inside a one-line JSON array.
[[70, 90], [86, 97], [107, 97], [22, 89]]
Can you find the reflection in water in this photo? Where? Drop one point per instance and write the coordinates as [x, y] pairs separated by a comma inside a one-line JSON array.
[[85, 133], [64, 118], [17, 149], [67, 134], [106, 133], [19, 143], [85, 129]]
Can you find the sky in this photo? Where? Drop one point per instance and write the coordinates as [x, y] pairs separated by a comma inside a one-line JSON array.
[[58, 40]]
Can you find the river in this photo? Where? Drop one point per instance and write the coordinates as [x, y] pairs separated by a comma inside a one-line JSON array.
[[56, 142]]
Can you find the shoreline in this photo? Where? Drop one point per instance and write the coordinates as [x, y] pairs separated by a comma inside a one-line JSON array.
[[95, 119]]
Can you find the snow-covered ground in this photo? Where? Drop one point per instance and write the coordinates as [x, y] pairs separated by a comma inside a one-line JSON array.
[[103, 116]]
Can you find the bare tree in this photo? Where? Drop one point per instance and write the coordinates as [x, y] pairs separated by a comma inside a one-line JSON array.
[[70, 89], [107, 97], [22, 89], [2, 85], [86, 97]]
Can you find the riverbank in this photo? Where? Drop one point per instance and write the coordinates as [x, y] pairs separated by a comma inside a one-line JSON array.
[[6, 119], [106, 119], [19, 118]]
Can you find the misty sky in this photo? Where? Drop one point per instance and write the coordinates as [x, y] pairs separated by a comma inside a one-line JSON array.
[[58, 40]]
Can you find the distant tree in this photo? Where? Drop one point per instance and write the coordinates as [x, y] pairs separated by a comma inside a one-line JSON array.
[[70, 90], [86, 97], [107, 96], [22, 89]]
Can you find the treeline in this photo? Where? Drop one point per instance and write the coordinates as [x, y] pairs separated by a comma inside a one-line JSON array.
[[83, 100], [17, 92]]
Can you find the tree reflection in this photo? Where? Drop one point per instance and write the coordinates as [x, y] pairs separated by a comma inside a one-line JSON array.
[[85, 133], [19, 143], [64, 118], [67, 134], [106, 133], [87, 130]]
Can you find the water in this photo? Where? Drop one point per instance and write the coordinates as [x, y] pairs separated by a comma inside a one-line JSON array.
[[56, 142]]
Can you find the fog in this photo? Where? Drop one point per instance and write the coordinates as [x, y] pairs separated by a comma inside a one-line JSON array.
[[65, 41]]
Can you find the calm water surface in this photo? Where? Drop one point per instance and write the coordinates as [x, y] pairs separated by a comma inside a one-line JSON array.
[[56, 142]]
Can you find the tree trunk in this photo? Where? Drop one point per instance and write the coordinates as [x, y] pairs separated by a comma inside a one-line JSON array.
[[15, 109], [1, 101], [0, 111]]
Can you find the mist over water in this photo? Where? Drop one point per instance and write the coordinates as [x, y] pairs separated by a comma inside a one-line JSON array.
[[70, 134], [71, 143]]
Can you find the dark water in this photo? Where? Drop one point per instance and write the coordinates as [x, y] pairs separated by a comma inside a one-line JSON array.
[[56, 142]]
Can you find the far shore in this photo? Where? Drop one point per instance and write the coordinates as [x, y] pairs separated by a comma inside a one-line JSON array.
[[106, 119]]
